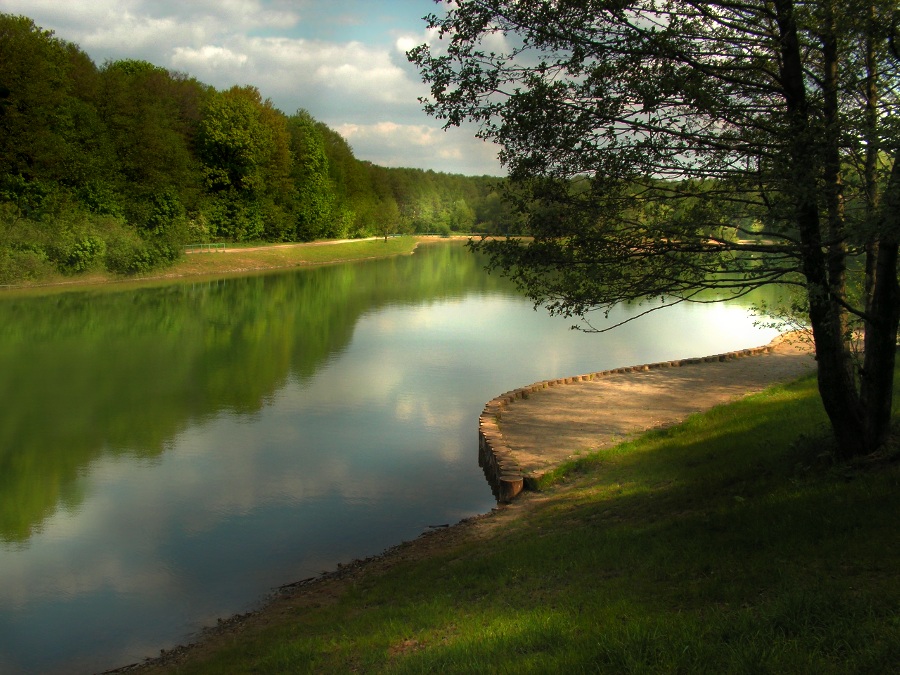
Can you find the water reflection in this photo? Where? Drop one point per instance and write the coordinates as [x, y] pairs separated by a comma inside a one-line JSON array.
[[170, 454], [99, 373]]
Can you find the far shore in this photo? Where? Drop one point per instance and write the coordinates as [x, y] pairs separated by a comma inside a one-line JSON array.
[[237, 260]]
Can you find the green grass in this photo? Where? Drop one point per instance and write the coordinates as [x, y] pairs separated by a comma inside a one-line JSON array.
[[729, 544], [256, 259]]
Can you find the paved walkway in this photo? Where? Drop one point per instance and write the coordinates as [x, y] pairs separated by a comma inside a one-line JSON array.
[[556, 423]]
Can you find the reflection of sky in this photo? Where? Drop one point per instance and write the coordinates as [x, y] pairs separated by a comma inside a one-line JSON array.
[[376, 446]]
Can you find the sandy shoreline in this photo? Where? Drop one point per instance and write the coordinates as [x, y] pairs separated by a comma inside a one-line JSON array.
[[540, 426]]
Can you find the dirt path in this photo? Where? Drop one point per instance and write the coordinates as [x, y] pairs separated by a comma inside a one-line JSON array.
[[268, 247], [556, 423]]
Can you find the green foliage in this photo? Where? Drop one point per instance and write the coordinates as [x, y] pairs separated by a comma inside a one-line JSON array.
[[135, 67], [660, 150], [85, 252], [25, 198], [72, 240], [148, 118], [126, 252], [234, 143], [166, 213], [233, 217], [34, 72], [23, 265], [315, 193], [174, 161], [4, 98], [98, 197]]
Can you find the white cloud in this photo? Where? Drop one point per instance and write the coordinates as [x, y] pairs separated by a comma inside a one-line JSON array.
[[359, 71], [133, 35], [207, 58], [422, 146], [406, 42], [361, 84]]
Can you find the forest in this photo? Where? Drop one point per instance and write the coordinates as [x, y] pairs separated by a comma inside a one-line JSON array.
[[117, 167]]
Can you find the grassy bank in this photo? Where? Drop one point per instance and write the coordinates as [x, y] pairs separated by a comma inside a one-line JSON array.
[[282, 256], [730, 544], [241, 260]]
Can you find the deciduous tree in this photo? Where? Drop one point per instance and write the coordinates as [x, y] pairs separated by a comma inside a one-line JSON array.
[[245, 147], [663, 148], [315, 195]]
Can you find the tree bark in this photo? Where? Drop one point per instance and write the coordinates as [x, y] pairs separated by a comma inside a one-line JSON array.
[[871, 156], [833, 180], [837, 386], [881, 349], [882, 319]]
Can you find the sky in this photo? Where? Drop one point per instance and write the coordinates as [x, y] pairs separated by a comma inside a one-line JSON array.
[[342, 60]]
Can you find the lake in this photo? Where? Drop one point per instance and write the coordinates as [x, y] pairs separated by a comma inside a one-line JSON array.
[[170, 454]]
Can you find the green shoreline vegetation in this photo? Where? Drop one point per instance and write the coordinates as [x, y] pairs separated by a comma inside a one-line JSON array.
[[699, 548], [114, 169], [251, 260], [279, 257]]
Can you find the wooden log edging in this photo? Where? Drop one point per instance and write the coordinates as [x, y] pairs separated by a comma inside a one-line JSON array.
[[495, 457]]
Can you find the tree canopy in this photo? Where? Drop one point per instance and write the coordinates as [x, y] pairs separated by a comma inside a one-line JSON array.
[[118, 166], [661, 149]]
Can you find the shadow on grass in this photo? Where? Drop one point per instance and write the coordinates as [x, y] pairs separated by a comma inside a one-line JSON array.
[[723, 545], [731, 543]]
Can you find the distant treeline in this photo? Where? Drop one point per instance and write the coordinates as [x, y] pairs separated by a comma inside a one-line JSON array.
[[117, 167]]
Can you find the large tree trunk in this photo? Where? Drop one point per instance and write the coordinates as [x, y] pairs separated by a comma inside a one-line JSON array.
[[837, 385], [881, 349], [882, 318], [832, 178]]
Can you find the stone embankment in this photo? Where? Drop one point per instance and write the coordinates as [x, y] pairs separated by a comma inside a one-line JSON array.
[[619, 402]]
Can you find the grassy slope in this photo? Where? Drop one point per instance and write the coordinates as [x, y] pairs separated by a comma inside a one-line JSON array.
[[728, 544], [273, 257], [253, 259]]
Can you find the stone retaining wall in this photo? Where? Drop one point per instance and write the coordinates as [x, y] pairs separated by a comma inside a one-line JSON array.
[[496, 458]]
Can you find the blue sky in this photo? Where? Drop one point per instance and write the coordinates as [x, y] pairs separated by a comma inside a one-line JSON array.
[[342, 60]]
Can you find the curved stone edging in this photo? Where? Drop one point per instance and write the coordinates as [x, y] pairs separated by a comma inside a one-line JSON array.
[[495, 457]]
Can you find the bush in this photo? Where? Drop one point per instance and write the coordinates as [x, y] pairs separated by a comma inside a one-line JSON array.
[[126, 252], [229, 217], [70, 240], [86, 253], [18, 266]]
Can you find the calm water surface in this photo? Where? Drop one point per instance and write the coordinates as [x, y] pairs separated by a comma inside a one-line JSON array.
[[169, 455]]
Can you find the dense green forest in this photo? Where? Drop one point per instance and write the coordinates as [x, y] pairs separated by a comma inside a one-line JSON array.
[[118, 166]]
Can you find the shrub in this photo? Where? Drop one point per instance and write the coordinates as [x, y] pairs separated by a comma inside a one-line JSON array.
[[126, 252], [86, 253], [17, 266]]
